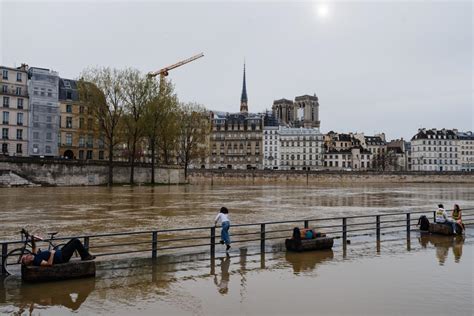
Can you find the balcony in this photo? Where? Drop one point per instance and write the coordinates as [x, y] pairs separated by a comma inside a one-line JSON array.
[[12, 92]]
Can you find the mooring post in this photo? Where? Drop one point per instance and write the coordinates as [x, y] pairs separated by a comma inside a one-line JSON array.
[[86, 243], [154, 244], [4, 256], [344, 230], [408, 225], [377, 221], [262, 237], [306, 224], [213, 241]]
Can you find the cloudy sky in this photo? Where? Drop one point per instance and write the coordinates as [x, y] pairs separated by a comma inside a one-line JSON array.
[[376, 66]]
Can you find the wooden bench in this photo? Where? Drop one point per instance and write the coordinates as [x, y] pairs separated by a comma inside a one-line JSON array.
[[444, 229], [317, 243], [63, 271]]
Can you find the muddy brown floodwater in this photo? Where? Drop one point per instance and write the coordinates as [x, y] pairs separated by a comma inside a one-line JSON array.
[[426, 275]]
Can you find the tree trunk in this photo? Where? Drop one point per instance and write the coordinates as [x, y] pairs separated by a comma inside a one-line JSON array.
[[132, 162], [111, 166], [152, 143]]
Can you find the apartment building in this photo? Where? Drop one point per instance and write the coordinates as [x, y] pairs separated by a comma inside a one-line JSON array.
[[14, 123], [44, 112], [435, 150], [466, 150]]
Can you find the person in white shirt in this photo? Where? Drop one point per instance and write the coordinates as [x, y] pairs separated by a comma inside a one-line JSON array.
[[442, 217], [223, 218]]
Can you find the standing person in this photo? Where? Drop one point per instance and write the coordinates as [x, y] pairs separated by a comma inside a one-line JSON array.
[[456, 214], [442, 218], [223, 218]]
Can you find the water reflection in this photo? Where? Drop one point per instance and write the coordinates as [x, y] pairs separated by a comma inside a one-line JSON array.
[[442, 245], [223, 284], [307, 261], [30, 297]]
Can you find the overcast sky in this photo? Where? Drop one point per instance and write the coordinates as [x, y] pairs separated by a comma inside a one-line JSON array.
[[376, 66]]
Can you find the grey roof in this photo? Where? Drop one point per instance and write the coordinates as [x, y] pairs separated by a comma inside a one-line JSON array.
[[68, 85], [435, 133]]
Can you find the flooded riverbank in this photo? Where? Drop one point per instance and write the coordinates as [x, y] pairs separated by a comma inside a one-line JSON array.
[[430, 275]]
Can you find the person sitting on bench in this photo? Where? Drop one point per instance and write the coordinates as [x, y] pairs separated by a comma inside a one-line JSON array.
[[442, 218], [63, 255]]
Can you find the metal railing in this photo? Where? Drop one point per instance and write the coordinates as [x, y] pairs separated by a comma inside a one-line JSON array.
[[156, 241]]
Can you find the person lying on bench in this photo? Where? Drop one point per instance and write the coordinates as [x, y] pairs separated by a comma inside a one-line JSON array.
[[63, 255]]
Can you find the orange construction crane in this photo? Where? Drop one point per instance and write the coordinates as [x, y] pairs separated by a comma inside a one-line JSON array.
[[164, 72]]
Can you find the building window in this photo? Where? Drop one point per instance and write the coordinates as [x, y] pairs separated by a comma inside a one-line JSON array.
[[35, 148], [69, 95], [5, 133], [81, 154], [49, 136], [90, 142], [18, 76], [5, 148], [19, 134], [47, 149], [69, 108], [81, 122], [81, 109], [81, 141], [36, 135], [89, 154], [101, 155], [69, 122], [6, 102], [19, 148], [19, 118], [19, 103], [18, 91], [4, 89], [68, 139], [6, 118], [5, 74]]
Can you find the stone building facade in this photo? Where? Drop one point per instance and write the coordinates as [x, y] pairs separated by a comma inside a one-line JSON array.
[[14, 123], [466, 150], [300, 148], [236, 141], [78, 135], [303, 112], [348, 159], [44, 112], [435, 150]]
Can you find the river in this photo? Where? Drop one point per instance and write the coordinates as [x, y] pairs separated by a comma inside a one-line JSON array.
[[426, 275]]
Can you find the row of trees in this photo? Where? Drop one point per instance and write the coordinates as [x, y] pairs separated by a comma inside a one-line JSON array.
[[133, 109]]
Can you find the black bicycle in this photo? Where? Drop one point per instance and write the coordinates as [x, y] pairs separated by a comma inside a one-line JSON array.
[[11, 263]]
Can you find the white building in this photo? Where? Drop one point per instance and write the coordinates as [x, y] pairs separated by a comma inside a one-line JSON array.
[[435, 150], [271, 147], [299, 148], [466, 150]]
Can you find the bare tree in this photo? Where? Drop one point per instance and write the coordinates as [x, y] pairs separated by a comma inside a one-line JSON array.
[[101, 89], [159, 116], [137, 93], [194, 130]]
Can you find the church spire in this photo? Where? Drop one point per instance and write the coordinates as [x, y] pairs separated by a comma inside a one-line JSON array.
[[243, 98]]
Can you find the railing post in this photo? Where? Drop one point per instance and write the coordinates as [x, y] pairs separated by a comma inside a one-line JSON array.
[[262, 237], [306, 224], [377, 220], [86, 243], [213, 241], [344, 230], [154, 244], [408, 225], [434, 216], [4, 256]]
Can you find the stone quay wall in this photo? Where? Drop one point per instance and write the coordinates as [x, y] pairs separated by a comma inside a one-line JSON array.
[[48, 172], [199, 176]]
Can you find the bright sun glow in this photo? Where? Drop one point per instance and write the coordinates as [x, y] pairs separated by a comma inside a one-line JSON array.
[[322, 10]]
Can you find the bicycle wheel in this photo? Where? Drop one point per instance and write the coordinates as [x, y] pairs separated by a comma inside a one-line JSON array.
[[10, 262]]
